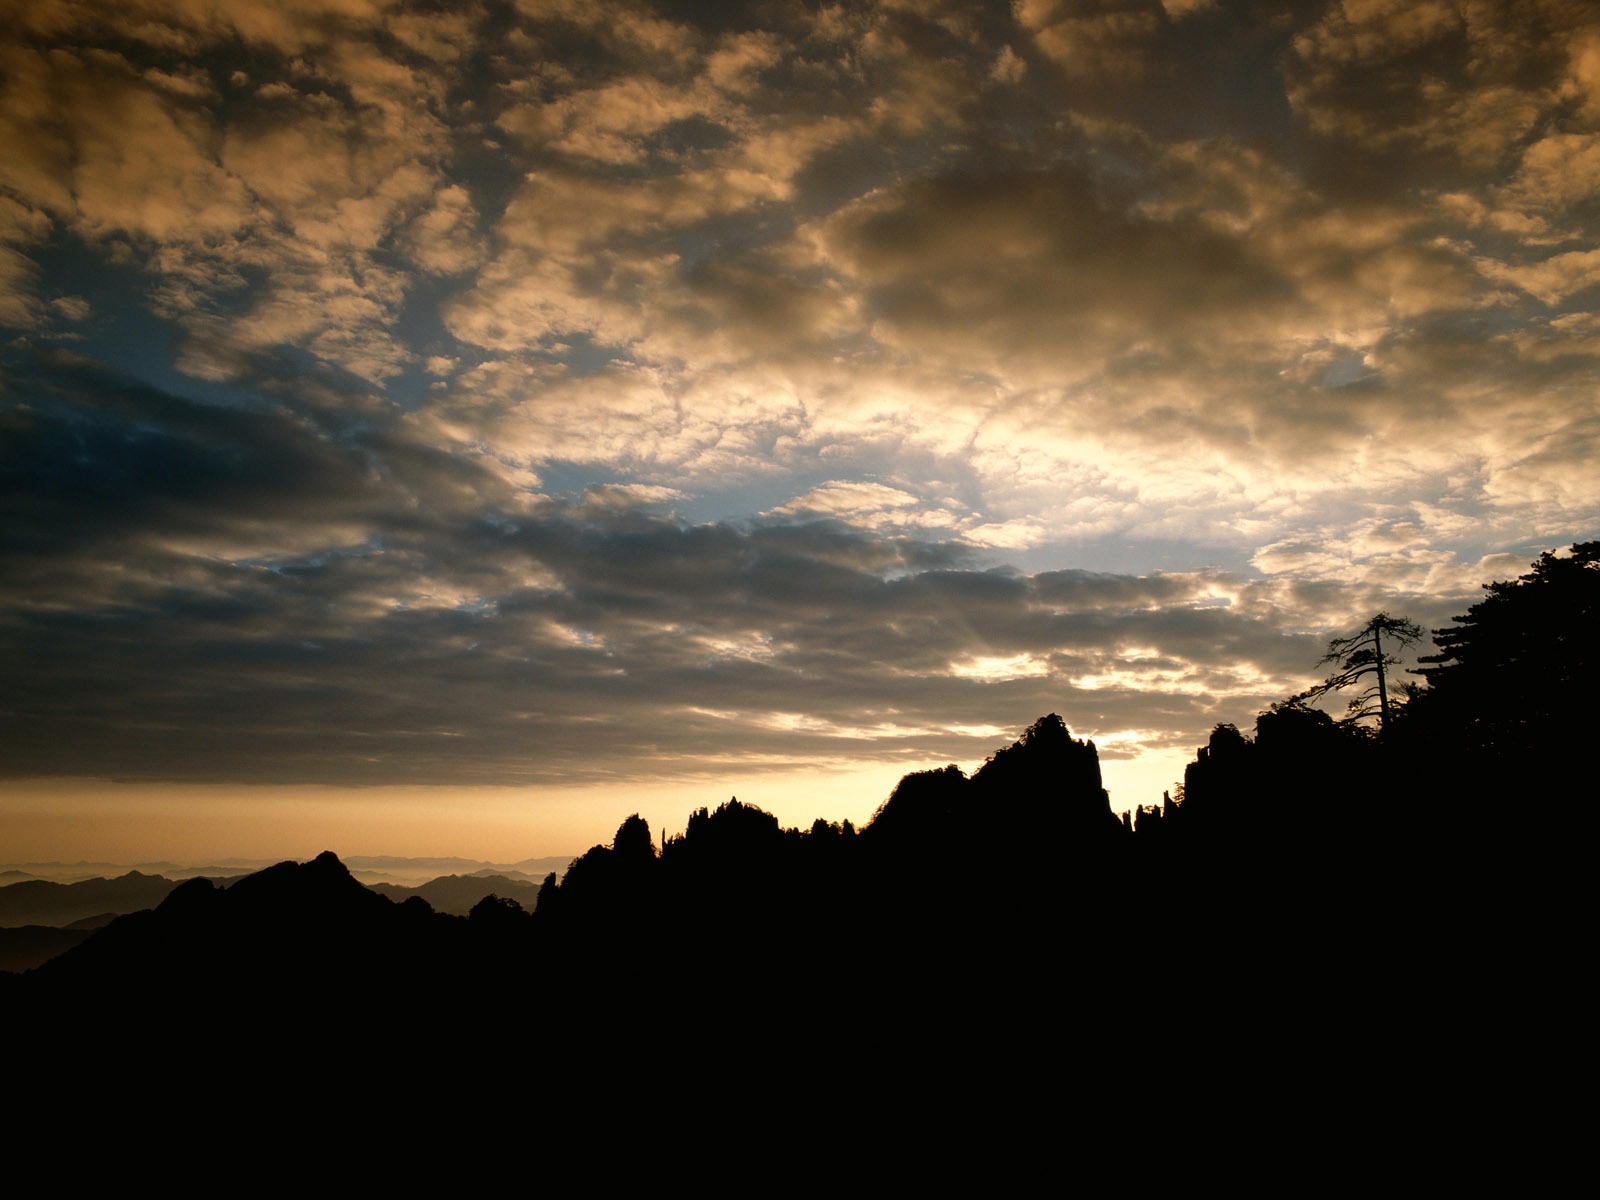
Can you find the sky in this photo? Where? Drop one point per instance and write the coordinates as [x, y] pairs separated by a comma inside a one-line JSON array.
[[447, 429]]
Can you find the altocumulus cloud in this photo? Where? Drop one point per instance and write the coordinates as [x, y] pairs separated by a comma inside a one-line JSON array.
[[541, 392]]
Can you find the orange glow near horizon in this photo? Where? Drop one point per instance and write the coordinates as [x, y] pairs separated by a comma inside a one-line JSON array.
[[98, 821]]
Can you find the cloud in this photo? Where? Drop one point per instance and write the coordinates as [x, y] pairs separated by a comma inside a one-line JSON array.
[[20, 228], [1554, 279], [846, 499], [536, 391], [1008, 268], [1101, 43], [277, 596], [294, 174], [264, 582], [445, 238], [114, 154]]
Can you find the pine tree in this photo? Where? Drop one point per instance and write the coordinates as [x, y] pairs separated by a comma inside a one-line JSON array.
[[1518, 669], [1363, 661]]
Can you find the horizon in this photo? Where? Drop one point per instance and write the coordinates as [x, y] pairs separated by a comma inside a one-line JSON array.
[[165, 822], [448, 433]]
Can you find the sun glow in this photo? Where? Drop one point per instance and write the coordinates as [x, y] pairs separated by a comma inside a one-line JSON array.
[[995, 667]]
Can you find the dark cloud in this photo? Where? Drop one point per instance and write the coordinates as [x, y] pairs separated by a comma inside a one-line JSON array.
[[1018, 260], [494, 645], [1431, 94]]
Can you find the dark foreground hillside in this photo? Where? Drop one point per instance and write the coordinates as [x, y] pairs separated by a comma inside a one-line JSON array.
[[745, 982], [1070, 917], [1331, 907]]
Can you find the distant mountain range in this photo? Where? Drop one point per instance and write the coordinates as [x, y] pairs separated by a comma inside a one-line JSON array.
[[369, 869], [457, 894], [42, 902], [41, 918], [414, 872]]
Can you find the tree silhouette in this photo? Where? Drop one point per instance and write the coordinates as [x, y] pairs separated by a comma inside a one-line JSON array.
[[1516, 675], [1363, 662], [633, 843], [497, 916]]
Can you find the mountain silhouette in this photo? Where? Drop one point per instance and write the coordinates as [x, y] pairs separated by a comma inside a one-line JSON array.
[[1303, 867], [276, 932], [457, 894], [42, 902]]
